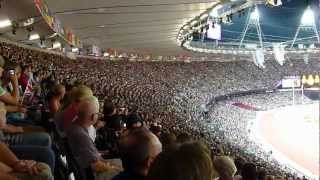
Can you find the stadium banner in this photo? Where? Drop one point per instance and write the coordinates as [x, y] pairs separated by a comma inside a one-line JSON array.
[[279, 53], [95, 50], [214, 31], [45, 12], [57, 26], [54, 23], [291, 81]]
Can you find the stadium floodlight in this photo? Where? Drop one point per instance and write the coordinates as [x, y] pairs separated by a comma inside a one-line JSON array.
[[5, 23], [308, 17], [203, 16], [254, 14], [74, 49], [56, 45], [214, 11], [193, 22], [310, 81], [304, 79], [317, 79], [186, 27], [34, 36]]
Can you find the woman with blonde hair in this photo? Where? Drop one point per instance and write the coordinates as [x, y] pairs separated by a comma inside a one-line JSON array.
[[79, 93], [187, 161]]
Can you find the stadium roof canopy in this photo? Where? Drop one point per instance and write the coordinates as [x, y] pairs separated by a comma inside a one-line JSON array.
[[278, 24], [138, 25], [147, 26]]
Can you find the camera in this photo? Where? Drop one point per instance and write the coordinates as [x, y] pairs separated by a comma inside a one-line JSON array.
[[11, 72]]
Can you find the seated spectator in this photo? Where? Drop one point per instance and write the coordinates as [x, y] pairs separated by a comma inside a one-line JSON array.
[[183, 138], [15, 134], [138, 149], [10, 69], [156, 129], [34, 146], [13, 168], [111, 117], [108, 136], [57, 94], [134, 120], [225, 167], [82, 146], [13, 98], [24, 77], [79, 93], [269, 177], [239, 162], [189, 161], [262, 174], [168, 140], [249, 172]]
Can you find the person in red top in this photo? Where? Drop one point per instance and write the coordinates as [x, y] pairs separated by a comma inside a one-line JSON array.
[[24, 77]]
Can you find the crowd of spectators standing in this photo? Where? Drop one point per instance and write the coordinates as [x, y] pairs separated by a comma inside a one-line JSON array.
[[133, 120]]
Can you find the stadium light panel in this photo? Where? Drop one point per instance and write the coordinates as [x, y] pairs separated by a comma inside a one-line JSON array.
[[304, 79], [74, 50], [34, 36], [307, 17], [317, 79], [193, 22], [214, 11], [56, 45], [5, 23], [203, 16], [254, 14], [310, 81]]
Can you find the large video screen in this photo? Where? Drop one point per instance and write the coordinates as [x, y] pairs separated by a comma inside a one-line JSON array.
[[291, 81]]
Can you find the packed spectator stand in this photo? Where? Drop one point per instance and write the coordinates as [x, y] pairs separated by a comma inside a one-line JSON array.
[[178, 101]]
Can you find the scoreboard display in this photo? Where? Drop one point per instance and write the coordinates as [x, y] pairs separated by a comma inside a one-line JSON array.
[[291, 81]]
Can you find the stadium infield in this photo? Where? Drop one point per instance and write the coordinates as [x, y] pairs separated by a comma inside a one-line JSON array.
[[292, 135]]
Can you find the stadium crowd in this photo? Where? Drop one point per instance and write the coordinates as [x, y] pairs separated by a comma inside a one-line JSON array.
[[132, 120]]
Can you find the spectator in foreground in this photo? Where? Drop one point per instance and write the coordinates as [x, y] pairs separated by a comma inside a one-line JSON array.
[[168, 140], [78, 94], [138, 149], [249, 172], [13, 168], [225, 167], [134, 120], [82, 146], [189, 161]]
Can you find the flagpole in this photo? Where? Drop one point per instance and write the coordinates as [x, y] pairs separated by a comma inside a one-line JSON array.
[[302, 93], [293, 94]]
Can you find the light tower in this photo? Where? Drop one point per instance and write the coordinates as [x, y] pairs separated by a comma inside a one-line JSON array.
[[307, 22], [253, 20]]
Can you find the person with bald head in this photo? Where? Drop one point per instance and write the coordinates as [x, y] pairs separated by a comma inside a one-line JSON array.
[[138, 149], [81, 145]]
